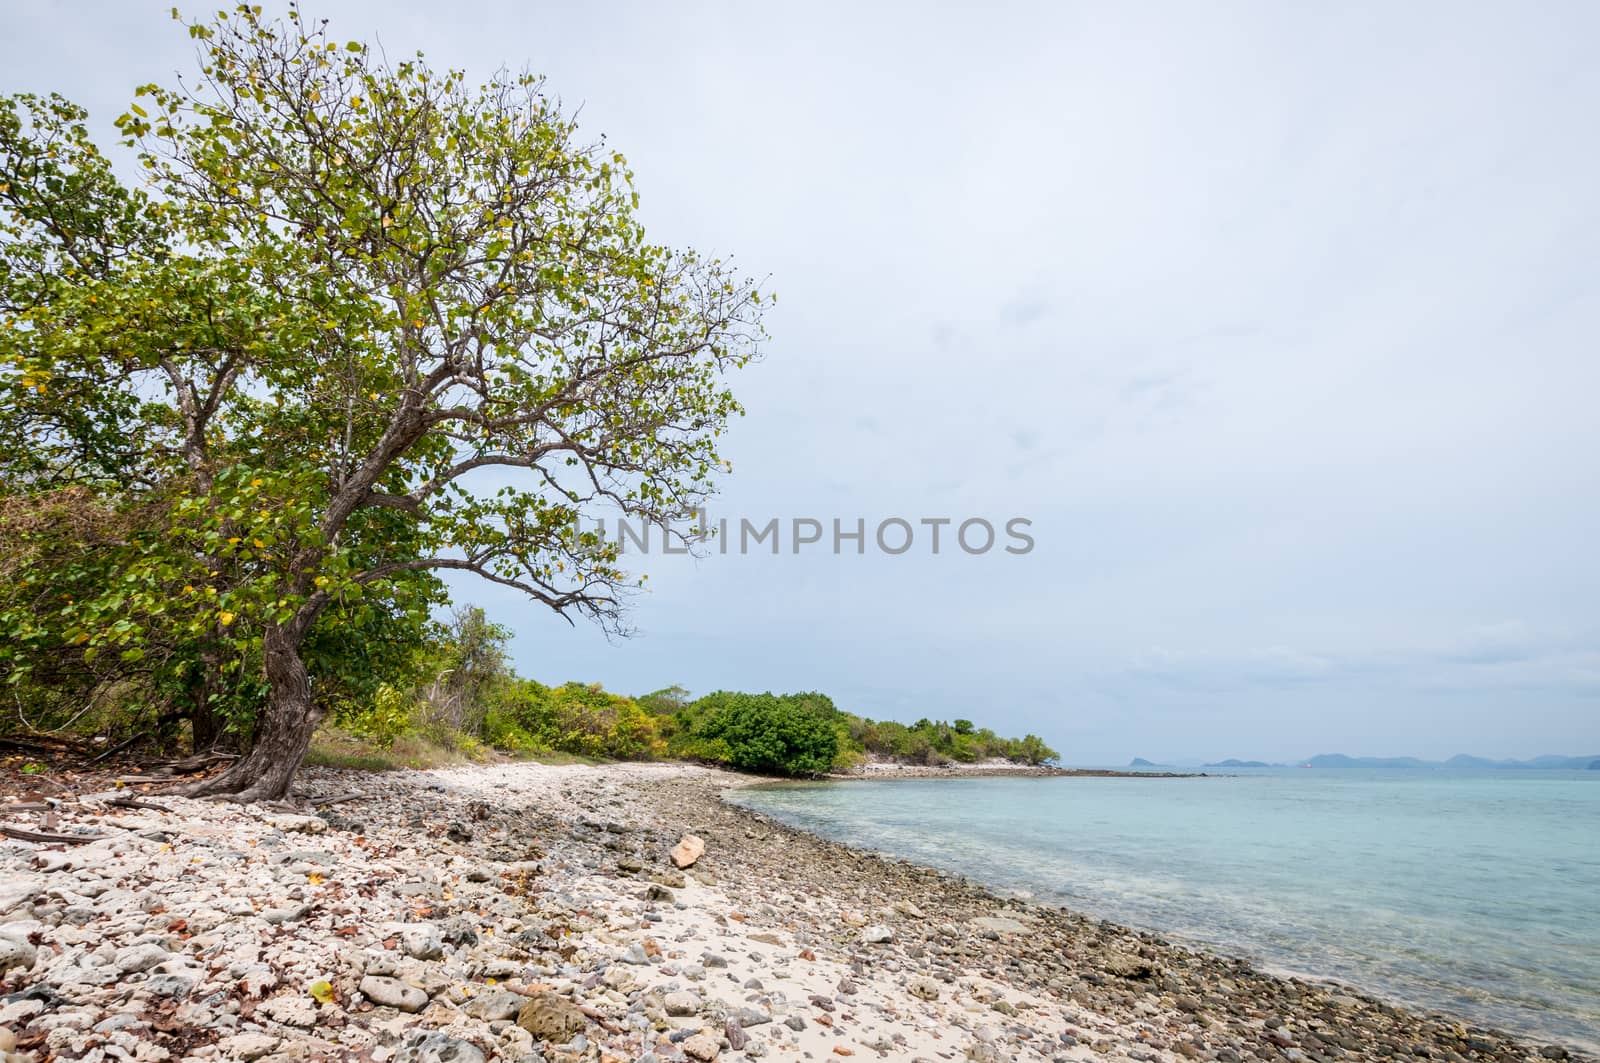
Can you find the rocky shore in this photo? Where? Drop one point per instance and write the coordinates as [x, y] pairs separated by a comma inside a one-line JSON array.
[[526, 912]]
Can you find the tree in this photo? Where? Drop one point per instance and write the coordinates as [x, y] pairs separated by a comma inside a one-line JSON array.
[[368, 324]]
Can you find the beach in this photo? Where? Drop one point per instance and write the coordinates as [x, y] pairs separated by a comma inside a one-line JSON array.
[[525, 911]]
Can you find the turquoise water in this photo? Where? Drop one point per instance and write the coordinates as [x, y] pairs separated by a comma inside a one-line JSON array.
[[1477, 894]]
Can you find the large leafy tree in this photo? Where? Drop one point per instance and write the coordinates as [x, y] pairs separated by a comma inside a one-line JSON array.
[[364, 323]]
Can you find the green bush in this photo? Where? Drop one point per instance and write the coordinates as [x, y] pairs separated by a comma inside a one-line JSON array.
[[792, 734], [574, 718]]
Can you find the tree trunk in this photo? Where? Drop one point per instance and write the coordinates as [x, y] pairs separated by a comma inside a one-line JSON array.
[[283, 733]]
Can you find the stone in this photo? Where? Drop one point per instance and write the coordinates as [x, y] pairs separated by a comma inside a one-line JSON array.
[[702, 1046], [136, 958], [432, 1046], [658, 892], [248, 1046], [299, 824], [1126, 965], [494, 1006], [688, 850], [170, 985], [393, 993], [458, 931], [877, 934], [680, 1004], [418, 940], [16, 952], [552, 1017], [999, 924], [923, 988]]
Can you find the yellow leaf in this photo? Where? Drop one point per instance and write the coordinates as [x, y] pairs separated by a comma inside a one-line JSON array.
[[314, 878], [226, 618], [259, 545], [322, 992]]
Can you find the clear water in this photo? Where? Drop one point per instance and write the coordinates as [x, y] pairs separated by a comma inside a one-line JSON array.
[[1477, 894]]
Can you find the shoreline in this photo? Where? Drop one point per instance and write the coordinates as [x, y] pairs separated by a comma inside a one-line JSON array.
[[876, 769], [468, 914]]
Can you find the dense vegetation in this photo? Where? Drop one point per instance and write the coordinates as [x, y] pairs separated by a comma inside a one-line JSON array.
[[474, 699]]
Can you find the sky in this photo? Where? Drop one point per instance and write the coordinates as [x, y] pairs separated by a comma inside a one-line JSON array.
[[1277, 322]]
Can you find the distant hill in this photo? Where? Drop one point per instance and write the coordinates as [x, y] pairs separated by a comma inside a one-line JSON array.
[[1231, 763], [1140, 762], [1461, 761]]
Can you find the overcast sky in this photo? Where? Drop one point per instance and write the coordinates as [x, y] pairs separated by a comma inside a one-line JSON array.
[[1277, 320]]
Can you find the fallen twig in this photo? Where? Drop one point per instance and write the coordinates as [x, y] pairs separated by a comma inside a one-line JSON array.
[[134, 802], [118, 748], [42, 836]]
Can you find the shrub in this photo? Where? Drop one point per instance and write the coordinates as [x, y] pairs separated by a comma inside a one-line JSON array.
[[793, 734]]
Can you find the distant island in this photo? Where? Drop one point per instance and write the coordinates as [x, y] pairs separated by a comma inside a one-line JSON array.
[[1460, 761], [1140, 762]]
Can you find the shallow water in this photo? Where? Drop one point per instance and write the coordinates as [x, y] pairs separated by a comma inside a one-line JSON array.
[[1477, 894]]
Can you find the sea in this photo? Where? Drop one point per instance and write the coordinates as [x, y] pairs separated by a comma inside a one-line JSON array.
[[1474, 893]]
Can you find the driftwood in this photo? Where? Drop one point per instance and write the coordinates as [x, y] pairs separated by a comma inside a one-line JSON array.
[[134, 802], [44, 836], [118, 748]]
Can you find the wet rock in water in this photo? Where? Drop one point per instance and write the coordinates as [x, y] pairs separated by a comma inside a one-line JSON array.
[[393, 993], [552, 1017], [688, 850], [431, 1046]]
